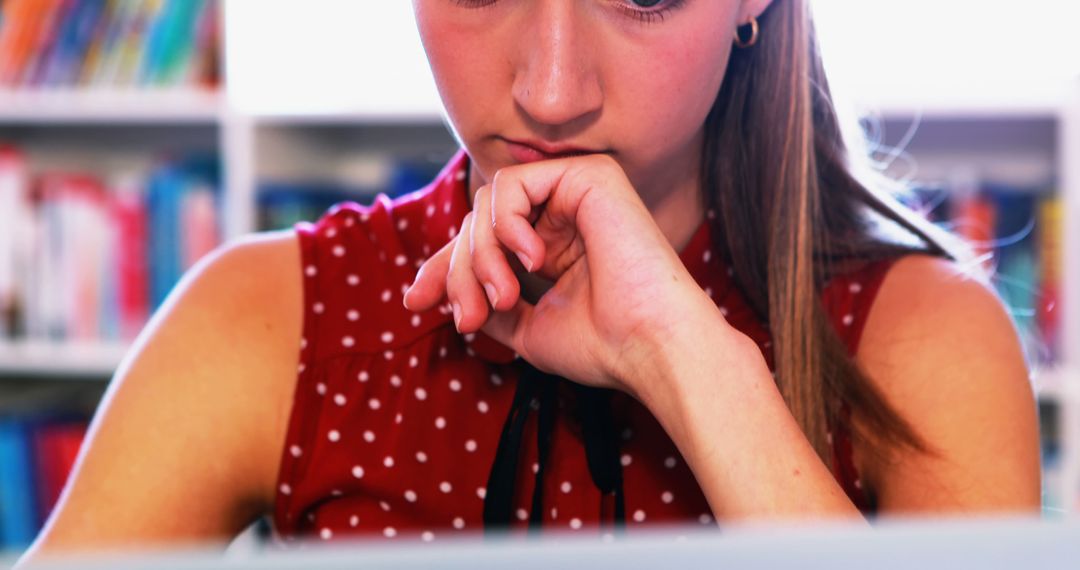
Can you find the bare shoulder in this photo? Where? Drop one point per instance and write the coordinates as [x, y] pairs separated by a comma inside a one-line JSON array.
[[185, 444], [941, 347]]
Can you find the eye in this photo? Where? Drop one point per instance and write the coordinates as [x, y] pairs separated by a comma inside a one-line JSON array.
[[646, 11]]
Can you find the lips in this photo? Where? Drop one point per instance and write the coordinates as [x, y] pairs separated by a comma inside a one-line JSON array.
[[532, 151]]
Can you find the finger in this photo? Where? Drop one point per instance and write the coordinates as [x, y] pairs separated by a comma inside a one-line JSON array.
[[462, 289], [512, 208], [429, 287], [507, 326], [489, 258]]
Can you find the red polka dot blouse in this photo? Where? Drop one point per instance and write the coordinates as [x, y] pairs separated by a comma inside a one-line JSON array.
[[396, 416]]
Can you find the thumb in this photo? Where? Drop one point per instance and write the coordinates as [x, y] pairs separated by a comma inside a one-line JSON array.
[[508, 326]]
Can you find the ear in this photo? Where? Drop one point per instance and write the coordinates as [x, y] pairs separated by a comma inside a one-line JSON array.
[[752, 9]]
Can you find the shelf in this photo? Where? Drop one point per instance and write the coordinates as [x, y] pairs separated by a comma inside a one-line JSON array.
[[60, 360], [104, 106]]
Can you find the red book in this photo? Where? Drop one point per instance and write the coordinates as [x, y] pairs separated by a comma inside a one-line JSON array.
[[56, 447], [129, 221]]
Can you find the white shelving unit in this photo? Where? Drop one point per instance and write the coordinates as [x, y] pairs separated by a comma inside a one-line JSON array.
[[255, 139]]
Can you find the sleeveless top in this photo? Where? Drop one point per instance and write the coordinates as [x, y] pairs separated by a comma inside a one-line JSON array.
[[396, 416]]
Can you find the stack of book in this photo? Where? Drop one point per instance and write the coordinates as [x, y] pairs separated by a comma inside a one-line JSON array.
[[1019, 232], [84, 258], [58, 43], [37, 452]]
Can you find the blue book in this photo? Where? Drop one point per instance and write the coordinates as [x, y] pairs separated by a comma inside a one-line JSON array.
[[18, 491]]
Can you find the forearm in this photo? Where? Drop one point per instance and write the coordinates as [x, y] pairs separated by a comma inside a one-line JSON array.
[[717, 400]]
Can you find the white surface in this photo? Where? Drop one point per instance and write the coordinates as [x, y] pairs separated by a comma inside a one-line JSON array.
[[60, 359], [984, 544], [110, 106]]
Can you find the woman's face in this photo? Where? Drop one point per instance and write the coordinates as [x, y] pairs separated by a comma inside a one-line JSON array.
[[633, 78]]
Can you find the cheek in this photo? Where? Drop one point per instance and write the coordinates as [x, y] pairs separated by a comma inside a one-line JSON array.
[[460, 63]]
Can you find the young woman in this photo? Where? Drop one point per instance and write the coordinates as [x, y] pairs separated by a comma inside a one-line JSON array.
[[655, 286]]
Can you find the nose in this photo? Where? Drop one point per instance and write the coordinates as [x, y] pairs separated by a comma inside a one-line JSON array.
[[556, 83]]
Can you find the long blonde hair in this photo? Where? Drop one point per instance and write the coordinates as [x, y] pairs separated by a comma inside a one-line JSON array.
[[796, 205]]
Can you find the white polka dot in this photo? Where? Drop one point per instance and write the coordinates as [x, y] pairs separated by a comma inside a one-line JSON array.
[[369, 436], [301, 368], [470, 445], [440, 422], [400, 260], [481, 492], [358, 472], [397, 418], [389, 532], [387, 336], [415, 321], [320, 388], [482, 406], [389, 355], [848, 319], [331, 233], [326, 534], [388, 461], [363, 376], [724, 312], [639, 515], [496, 380], [402, 225], [455, 385], [353, 315], [333, 435], [829, 438], [395, 381], [554, 513], [386, 295], [445, 487], [708, 291], [318, 308], [339, 399], [353, 280], [459, 175], [565, 487], [855, 288], [348, 341], [707, 256], [374, 403], [459, 523], [469, 337], [575, 523], [427, 536], [667, 497], [442, 352], [453, 232], [295, 451], [303, 343], [705, 518], [414, 362], [446, 208], [522, 514], [410, 496], [711, 214], [349, 222], [535, 468], [354, 520], [286, 489], [310, 271], [669, 462], [858, 483], [625, 459], [421, 457], [430, 211], [384, 506], [339, 251], [421, 394], [336, 493]]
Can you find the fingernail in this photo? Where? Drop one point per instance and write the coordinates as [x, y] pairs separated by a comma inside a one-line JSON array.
[[492, 294], [457, 316], [525, 261]]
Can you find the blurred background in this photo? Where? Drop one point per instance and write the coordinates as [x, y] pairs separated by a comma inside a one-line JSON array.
[[137, 135]]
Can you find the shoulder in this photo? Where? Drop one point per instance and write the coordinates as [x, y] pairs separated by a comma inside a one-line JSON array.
[[940, 346]]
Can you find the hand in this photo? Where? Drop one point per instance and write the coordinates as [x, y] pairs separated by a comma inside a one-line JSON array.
[[619, 290]]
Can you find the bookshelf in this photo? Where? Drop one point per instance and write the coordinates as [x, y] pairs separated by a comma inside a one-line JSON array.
[[349, 137]]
